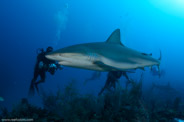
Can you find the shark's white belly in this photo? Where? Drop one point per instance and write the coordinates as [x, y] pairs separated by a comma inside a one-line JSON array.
[[119, 65]]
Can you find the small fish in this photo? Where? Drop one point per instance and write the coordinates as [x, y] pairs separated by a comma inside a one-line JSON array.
[[1, 99]]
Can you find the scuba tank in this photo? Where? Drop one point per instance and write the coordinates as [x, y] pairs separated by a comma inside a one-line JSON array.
[[40, 56]]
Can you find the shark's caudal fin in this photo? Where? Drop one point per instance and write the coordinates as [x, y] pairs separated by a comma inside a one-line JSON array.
[[115, 37], [160, 58]]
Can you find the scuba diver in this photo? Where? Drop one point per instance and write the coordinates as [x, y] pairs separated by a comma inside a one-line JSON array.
[[42, 66], [155, 72], [96, 75], [112, 78]]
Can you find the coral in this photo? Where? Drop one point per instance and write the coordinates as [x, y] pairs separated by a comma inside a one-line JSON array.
[[176, 103], [121, 105]]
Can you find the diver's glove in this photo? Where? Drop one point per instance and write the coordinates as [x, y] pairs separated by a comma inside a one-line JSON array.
[[60, 67]]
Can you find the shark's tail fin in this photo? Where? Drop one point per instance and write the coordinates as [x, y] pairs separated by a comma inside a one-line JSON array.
[[160, 58]]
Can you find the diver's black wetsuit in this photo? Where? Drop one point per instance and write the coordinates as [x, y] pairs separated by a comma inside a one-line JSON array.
[[41, 67], [112, 78]]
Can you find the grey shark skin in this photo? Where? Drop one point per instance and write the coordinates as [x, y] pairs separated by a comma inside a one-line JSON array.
[[110, 55]]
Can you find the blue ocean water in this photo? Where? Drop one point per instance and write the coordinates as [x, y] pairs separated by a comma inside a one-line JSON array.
[[146, 25]]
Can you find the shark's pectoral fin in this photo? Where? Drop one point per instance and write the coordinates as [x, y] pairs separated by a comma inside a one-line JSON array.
[[102, 65], [110, 68]]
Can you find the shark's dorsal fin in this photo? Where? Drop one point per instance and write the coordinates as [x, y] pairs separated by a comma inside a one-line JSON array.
[[115, 37]]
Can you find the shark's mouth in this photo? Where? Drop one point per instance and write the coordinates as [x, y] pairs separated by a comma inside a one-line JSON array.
[[62, 62], [65, 62]]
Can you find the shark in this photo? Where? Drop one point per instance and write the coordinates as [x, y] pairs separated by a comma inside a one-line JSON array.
[[111, 55]]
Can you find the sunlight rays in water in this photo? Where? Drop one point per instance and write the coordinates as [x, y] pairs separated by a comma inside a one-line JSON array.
[[174, 7], [61, 20]]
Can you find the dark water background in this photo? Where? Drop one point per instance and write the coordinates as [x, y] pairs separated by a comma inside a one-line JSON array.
[[26, 25]]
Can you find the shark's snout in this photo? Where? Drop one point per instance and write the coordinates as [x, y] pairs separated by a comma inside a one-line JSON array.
[[51, 57]]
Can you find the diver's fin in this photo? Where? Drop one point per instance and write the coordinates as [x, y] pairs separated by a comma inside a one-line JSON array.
[[115, 37], [101, 64], [31, 89]]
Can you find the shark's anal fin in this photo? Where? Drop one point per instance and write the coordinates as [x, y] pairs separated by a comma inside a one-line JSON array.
[[105, 66], [115, 37]]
